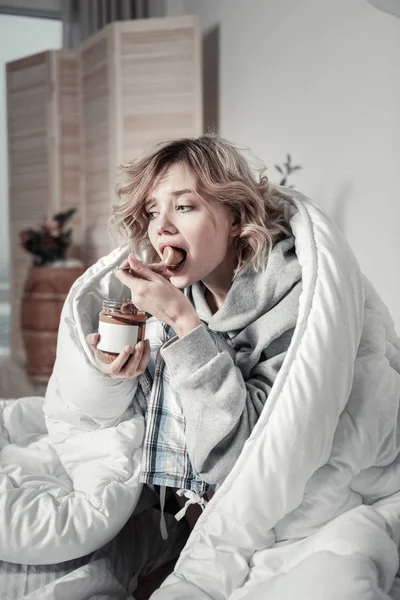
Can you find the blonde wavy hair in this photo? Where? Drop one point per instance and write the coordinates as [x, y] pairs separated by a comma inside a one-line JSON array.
[[222, 175]]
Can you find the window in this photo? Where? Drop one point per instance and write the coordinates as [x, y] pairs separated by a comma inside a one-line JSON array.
[[19, 36]]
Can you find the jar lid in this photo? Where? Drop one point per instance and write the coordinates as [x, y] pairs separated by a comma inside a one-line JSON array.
[[126, 306], [112, 304]]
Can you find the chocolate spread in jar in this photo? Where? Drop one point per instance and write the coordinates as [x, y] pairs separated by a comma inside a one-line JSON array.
[[120, 324]]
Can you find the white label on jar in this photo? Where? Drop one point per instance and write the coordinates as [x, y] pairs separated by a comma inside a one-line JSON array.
[[113, 338]]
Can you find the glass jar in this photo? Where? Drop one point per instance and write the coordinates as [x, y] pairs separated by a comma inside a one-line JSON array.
[[120, 324]]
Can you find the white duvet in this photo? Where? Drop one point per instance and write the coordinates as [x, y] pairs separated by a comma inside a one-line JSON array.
[[70, 473], [311, 509]]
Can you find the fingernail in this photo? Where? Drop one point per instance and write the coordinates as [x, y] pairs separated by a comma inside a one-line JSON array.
[[96, 337], [127, 349]]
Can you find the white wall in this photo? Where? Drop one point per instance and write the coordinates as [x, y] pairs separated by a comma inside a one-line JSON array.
[[319, 79], [19, 36]]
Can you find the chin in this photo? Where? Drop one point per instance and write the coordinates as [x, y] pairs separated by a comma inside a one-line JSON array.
[[182, 281]]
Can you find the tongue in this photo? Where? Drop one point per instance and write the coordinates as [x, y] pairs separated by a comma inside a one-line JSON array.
[[172, 256]]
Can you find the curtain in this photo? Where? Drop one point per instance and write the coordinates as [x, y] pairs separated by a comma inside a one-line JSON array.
[[81, 19]]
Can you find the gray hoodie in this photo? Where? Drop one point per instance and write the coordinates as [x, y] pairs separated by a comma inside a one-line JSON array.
[[224, 369]]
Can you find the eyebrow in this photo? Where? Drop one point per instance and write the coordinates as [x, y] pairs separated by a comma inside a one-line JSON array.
[[176, 194]]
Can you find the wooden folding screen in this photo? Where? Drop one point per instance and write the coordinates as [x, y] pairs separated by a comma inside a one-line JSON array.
[[44, 155]]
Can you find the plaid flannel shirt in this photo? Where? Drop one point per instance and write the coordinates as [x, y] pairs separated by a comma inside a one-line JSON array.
[[165, 460]]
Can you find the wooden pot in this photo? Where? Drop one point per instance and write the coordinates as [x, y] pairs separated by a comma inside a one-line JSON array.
[[44, 294]]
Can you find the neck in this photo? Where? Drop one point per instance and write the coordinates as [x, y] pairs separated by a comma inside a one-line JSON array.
[[219, 282], [217, 291], [214, 301]]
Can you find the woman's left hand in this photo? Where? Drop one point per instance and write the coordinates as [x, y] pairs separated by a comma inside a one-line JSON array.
[[154, 293]]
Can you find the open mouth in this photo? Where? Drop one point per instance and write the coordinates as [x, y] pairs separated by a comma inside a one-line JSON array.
[[176, 266]]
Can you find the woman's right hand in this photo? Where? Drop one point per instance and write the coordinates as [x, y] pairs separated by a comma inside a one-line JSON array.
[[125, 365]]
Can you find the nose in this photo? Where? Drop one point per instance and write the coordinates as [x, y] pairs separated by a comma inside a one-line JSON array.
[[165, 224]]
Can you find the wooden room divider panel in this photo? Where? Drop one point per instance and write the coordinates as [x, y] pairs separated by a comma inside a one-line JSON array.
[[97, 135], [43, 147], [68, 171], [160, 70], [141, 84]]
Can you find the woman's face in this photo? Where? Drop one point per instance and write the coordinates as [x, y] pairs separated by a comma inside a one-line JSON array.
[[178, 218]]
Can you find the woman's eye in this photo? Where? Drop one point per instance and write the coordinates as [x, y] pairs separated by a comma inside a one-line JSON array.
[[184, 208], [150, 215]]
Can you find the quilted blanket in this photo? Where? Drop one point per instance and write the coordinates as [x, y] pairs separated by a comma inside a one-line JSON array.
[[310, 510], [70, 465]]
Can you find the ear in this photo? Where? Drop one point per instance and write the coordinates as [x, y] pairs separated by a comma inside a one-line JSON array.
[[235, 226], [235, 230]]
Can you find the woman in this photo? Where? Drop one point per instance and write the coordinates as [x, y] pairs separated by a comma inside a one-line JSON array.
[[241, 282]]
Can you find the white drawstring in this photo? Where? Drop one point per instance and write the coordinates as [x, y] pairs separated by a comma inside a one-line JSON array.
[[192, 498]]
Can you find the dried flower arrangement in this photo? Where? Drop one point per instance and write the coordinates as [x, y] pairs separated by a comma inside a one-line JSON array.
[[49, 242]]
